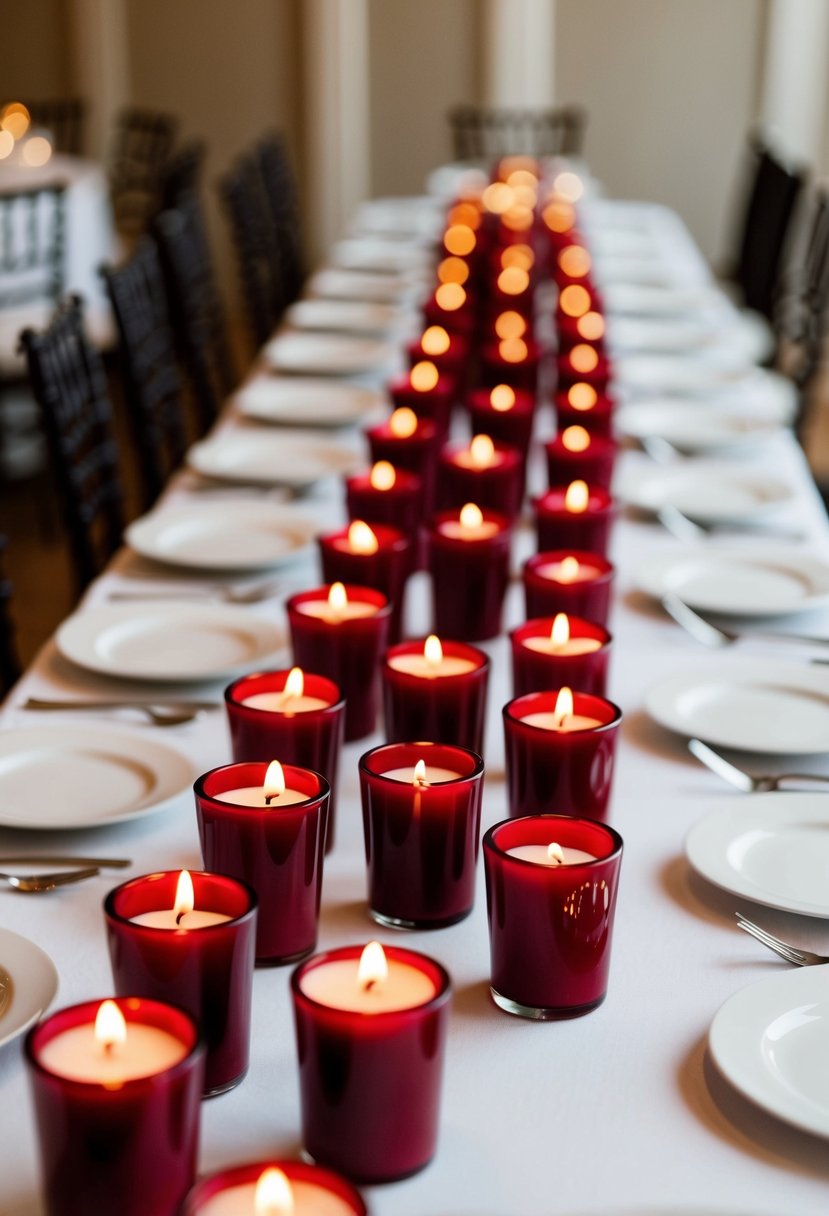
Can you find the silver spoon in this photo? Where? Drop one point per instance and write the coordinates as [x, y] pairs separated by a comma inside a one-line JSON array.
[[176, 713], [714, 635], [36, 883], [746, 782], [228, 595]]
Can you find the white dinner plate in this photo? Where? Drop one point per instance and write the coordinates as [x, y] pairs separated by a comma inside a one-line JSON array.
[[648, 270], [222, 536], [758, 706], [771, 1042], [383, 256], [770, 848], [682, 374], [703, 490], [712, 336], [333, 283], [326, 354], [164, 641], [67, 776], [306, 402], [740, 582], [34, 983], [642, 300], [261, 457], [343, 316], [694, 428]]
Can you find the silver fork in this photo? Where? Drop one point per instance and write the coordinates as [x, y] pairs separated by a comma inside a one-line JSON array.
[[792, 954], [714, 635], [35, 883], [746, 782], [176, 713], [227, 595]]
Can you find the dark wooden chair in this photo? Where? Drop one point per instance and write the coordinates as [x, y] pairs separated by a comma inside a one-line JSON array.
[[182, 174], [764, 228], [280, 186], [69, 384], [255, 243], [488, 132], [65, 120], [195, 307], [152, 384], [9, 662], [142, 143]]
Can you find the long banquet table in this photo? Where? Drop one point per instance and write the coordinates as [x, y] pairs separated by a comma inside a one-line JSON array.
[[616, 1112]]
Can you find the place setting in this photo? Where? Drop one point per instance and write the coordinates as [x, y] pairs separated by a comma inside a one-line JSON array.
[[307, 401], [255, 456], [300, 352]]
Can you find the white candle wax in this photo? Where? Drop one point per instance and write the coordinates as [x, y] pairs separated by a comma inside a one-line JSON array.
[[558, 573], [350, 611], [419, 665], [550, 721], [309, 1200], [539, 854], [432, 774], [336, 984], [455, 530], [546, 645], [254, 795], [466, 460], [165, 918], [280, 703], [77, 1055]]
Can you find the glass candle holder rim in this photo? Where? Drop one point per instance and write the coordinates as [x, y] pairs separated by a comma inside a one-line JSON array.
[[489, 516], [597, 442], [354, 591], [521, 722], [153, 933], [445, 383], [490, 352], [83, 1012], [452, 648], [426, 429], [511, 454], [489, 840], [231, 699], [388, 537], [541, 626], [406, 477], [606, 501], [479, 397], [414, 958], [289, 771], [552, 557], [249, 1171], [476, 773]]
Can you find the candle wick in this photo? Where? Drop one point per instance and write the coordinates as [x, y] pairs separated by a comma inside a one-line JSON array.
[[179, 917], [269, 798], [109, 1047], [368, 985]]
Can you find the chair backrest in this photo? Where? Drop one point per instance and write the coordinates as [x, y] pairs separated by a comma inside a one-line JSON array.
[[152, 384], [32, 254], [256, 247], [485, 133], [766, 224], [69, 384], [195, 307], [9, 662], [181, 175], [65, 120], [142, 143], [281, 192]]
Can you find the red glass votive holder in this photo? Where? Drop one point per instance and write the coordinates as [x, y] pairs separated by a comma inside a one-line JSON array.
[[436, 699], [421, 836], [398, 504], [569, 771], [470, 572], [313, 1189], [294, 730], [560, 528], [580, 662], [452, 361], [568, 372], [277, 850], [386, 569], [345, 649], [575, 453], [497, 484], [208, 971], [130, 1146], [568, 580], [513, 425], [582, 405], [551, 926], [416, 453], [433, 403], [370, 1081], [508, 363], [461, 319], [572, 331]]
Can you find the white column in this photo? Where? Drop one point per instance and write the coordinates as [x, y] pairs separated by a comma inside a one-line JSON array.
[[337, 128], [793, 99], [519, 38], [99, 57]]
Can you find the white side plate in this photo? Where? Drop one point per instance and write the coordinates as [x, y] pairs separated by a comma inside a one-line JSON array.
[[264, 457], [709, 492], [306, 402], [326, 354], [750, 582], [35, 983], [343, 316]]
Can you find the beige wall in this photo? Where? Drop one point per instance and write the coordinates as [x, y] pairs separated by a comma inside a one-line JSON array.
[[33, 62]]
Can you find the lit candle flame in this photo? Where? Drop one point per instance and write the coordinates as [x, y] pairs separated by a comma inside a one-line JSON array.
[[419, 776], [459, 239], [373, 968], [435, 340], [361, 539], [403, 422], [498, 198], [424, 376], [274, 783], [502, 398], [185, 899], [569, 186], [294, 684], [6, 144], [481, 451], [574, 300], [575, 261], [582, 396], [560, 632], [513, 350], [36, 151], [559, 216], [464, 213], [555, 853], [563, 707], [383, 476], [110, 1026], [518, 255], [450, 297], [518, 218], [576, 497], [337, 600], [273, 1195], [584, 358], [471, 517], [575, 439], [510, 325], [513, 280], [15, 119], [433, 651], [453, 270], [591, 326], [569, 570]]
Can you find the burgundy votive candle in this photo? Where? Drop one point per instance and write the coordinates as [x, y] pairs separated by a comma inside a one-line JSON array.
[[560, 749], [504, 413], [410, 443], [193, 947], [513, 361], [341, 631], [421, 818], [568, 580], [268, 829], [575, 453], [371, 1034], [448, 352], [427, 392], [469, 564], [489, 474], [582, 405], [454, 308], [548, 652], [386, 495], [117, 1115], [589, 327], [244, 1190], [551, 883], [583, 364], [435, 690], [576, 516], [370, 555]]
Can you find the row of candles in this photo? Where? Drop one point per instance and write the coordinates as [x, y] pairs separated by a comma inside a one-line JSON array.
[[117, 1083]]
